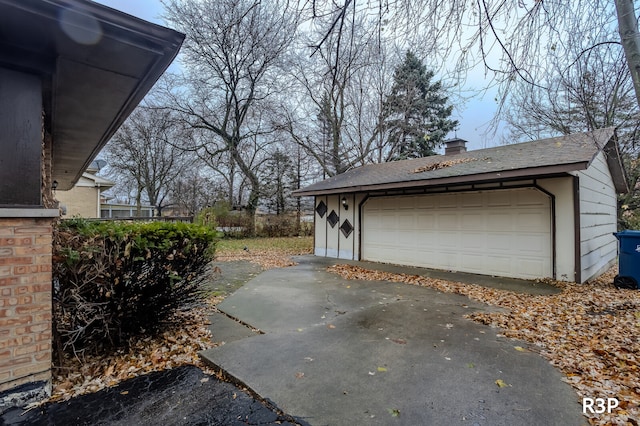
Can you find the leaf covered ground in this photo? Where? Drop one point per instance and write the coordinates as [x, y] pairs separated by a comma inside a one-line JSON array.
[[177, 345], [186, 333], [591, 332], [267, 252]]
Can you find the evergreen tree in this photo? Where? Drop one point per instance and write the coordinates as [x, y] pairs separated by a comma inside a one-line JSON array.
[[279, 179], [415, 113]]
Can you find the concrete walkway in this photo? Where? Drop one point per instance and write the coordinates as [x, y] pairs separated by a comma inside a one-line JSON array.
[[337, 352]]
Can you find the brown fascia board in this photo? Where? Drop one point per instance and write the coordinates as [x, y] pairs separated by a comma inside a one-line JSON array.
[[616, 168], [535, 172]]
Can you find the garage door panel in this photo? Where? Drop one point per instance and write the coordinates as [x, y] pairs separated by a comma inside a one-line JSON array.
[[498, 199], [406, 220], [473, 220], [505, 232], [448, 221], [499, 242], [533, 220], [533, 244], [530, 198], [426, 220], [499, 222], [473, 241], [472, 199], [447, 201]]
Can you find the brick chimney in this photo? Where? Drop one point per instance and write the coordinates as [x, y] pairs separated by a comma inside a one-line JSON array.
[[455, 146]]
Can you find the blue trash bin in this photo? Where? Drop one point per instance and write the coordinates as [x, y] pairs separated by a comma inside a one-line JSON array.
[[629, 260]]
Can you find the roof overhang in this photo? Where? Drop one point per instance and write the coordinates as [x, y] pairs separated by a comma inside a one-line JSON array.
[[616, 168], [96, 65], [505, 175]]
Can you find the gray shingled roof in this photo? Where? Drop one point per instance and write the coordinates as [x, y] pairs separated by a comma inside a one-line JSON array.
[[544, 157]]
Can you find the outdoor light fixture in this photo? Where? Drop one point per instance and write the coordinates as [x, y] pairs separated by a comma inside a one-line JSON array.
[[54, 185], [344, 203]]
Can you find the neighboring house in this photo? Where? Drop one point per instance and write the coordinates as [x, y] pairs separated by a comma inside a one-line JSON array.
[[530, 210], [71, 72], [85, 197], [112, 211]]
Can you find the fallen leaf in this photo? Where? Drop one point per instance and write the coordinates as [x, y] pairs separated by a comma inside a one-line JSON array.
[[299, 375], [382, 369], [204, 380], [501, 383], [124, 393], [587, 331], [394, 412], [331, 326], [519, 349], [399, 341], [471, 365]]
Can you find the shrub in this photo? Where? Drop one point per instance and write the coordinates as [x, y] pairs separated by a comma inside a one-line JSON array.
[[278, 226], [114, 280]]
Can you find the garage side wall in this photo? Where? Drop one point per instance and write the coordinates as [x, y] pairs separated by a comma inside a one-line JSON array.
[[337, 228], [598, 218]]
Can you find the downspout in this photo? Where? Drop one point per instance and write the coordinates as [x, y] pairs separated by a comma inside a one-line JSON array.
[[577, 230]]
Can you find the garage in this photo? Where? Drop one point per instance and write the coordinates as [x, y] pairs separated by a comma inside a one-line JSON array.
[[530, 210], [505, 232]]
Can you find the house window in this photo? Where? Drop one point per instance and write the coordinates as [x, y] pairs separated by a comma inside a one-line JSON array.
[[20, 139]]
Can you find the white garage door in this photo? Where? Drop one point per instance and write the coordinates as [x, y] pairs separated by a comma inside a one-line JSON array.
[[502, 232]]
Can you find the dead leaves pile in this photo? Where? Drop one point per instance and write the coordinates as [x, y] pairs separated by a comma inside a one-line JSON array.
[[591, 332], [178, 345], [443, 164], [266, 258]]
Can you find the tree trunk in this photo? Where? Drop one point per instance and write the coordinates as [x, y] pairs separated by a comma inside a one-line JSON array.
[[630, 38]]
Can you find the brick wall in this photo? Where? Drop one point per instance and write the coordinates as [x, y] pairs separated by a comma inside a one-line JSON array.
[[25, 301]]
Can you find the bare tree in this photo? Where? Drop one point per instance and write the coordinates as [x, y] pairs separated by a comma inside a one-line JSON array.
[[233, 49], [144, 152], [514, 40], [595, 92], [336, 115]]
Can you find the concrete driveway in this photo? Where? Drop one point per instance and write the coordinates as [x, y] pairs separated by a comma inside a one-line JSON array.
[[337, 352]]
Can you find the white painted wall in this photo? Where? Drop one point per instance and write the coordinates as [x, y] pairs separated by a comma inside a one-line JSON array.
[[320, 226], [331, 241], [598, 218], [562, 189]]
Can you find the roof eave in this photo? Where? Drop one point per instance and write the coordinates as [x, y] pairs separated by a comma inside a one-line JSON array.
[[92, 87], [616, 168], [527, 173]]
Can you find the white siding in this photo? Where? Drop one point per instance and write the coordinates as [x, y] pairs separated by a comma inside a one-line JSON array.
[[331, 241], [562, 189], [320, 226], [598, 218]]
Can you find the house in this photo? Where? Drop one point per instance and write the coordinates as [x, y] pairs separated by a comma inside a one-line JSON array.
[[115, 210], [538, 209], [84, 199], [71, 72]]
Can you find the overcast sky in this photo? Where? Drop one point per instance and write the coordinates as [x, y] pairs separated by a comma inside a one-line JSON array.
[[473, 118]]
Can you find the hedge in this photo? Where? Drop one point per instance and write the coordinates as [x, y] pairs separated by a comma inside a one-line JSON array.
[[115, 280]]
